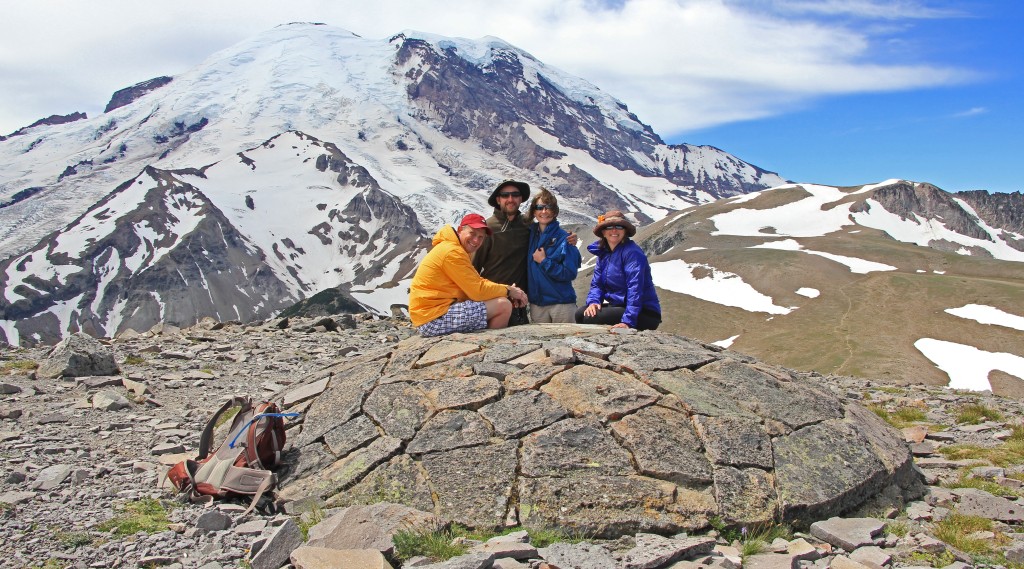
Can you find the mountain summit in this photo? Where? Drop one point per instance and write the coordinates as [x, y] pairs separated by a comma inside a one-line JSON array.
[[307, 158]]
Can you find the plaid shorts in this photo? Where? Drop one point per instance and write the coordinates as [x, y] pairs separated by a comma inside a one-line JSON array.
[[461, 317]]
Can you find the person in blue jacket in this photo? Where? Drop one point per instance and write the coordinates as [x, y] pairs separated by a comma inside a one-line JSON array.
[[552, 263], [621, 293]]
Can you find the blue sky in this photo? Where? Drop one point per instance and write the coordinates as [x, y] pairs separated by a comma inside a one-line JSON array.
[[837, 92], [961, 136]]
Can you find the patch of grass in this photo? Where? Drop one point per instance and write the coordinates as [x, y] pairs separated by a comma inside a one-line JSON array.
[[50, 563], [435, 543], [955, 530], [910, 415], [976, 413], [1007, 454], [18, 365], [965, 480], [310, 519], [752, 539], [899, 529], [901, 417], [881, 411], [543, 537], [147, 515], [72, 540], [932, 559], [134, 360]]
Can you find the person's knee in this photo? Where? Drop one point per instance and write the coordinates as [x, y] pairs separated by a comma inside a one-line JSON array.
[[498, 307]]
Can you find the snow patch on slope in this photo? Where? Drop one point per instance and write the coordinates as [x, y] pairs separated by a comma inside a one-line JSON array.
[[988, 315], [967, 366], [720, 287], [855, 265]]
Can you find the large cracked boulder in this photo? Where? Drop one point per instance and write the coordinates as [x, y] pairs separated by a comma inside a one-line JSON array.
[[574, 427]]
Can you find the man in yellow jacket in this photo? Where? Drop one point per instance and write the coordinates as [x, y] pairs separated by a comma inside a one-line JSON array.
[[449, 295]]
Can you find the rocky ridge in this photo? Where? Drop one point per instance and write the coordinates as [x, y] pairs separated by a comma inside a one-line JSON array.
[[79, 450]]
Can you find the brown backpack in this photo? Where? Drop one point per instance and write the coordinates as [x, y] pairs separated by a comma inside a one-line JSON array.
[[241, 465]]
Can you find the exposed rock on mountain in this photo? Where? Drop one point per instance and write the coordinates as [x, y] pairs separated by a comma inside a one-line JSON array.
[[48, 121], [599, 433], [129, 94], [160, 249], [1000, 210], [332, 157], [882, 280]]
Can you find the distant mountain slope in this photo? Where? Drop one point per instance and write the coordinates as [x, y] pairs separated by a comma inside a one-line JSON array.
[[849, 280], [308, 158]]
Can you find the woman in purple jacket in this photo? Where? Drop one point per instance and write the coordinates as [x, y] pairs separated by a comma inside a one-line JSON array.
[[621, 293]]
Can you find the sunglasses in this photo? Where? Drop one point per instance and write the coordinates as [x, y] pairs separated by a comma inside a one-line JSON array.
[[509, 195], [542, 207], [615, 227]]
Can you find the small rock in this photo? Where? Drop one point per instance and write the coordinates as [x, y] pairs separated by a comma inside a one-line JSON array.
[[214, 521], [51, 477], [848, 533], [109, 401]]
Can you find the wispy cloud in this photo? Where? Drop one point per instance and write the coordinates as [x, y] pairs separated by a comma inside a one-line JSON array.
[[872, 9], [971, 112]]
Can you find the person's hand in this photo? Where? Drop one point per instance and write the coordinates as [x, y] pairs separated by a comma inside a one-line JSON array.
[[591, 310], [517, 296], [539, 256], [572, 239], [621, 325]]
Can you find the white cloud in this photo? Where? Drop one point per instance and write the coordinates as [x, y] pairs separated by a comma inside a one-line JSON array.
[[679, 64], [971, 112], [886, 9]]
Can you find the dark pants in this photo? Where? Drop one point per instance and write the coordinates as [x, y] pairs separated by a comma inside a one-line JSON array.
[[611, 315]]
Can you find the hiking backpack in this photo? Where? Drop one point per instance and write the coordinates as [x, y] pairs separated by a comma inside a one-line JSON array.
[[241, 465]]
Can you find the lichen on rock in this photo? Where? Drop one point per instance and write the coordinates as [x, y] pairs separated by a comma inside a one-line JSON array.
[[609, 435]]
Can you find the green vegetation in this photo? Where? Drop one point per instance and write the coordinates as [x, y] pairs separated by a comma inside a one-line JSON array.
[[901, 417], [753, 539], [1009, 453], [543, 537], [932, 559], [910, 415], [50, 563], [956, 530], [965, 480], [72, 540], [435, 543], [147, 515], [310, 519], [18, 365], [976, 413], [134, 360], [899, 529], [758, 537], [441, 543]]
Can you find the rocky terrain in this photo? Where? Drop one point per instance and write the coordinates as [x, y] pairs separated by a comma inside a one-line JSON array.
[[84, 456]]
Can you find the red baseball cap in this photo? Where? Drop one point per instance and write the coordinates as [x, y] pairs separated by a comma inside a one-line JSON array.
[[476, 221]]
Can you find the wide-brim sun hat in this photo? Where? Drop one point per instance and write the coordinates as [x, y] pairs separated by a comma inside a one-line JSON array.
[[523, 187], [613, 217]]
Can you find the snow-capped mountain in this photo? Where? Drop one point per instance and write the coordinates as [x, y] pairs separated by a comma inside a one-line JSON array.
[[897, 281], [303, 159]]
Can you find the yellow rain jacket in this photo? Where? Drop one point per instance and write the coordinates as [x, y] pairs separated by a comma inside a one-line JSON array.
[[447, 276]]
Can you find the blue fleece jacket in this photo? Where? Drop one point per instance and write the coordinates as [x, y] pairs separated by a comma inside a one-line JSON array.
[[551, 281], [623, 278]]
